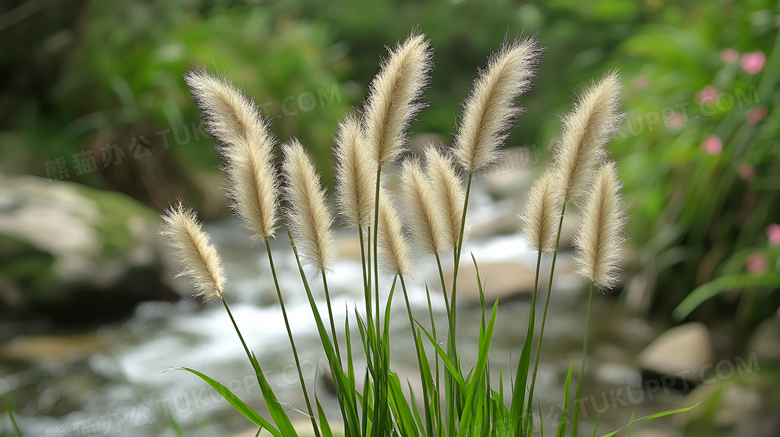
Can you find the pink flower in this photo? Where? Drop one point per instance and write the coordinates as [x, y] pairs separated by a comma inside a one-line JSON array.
[[773, 232], [756, 114], [756, 263], [745, 171], [712, 145], [729, 56], [753, 62], [708, 94]]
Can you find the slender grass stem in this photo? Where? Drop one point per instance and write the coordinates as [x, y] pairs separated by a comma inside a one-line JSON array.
[[366, 283], [419, 360], [369, 307], [433, 326], [546, 306], [240, 337], [330, 314], [380, 383], [435, 382], [290, 336], [349, 416], [376, 248], [457, 254], [531, 328], [443, 285], [576, 419], [452, 393]]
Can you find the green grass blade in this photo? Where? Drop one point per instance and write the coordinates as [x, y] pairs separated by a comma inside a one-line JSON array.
[[598, 420], [565, 412], [416, 411], [454, 373], [8, 400], [324, 425], [651, 417], [274, 407], [348, 409], [428, 387], [403, 414], [631, 424], [724, 283], [484, 347], [235, 402], [351, 378]]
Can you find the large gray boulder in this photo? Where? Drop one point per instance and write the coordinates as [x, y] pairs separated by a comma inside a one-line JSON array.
[[75, 253], [684, 352]]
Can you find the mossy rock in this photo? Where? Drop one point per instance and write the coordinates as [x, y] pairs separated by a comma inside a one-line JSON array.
[[75, 253]]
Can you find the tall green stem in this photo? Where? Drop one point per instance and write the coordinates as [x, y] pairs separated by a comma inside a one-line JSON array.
[[576, 419], [380, 382], [366, 281], [426, 403], [453, 318], [376, 246], [348, 408], [240, 337], [530, 336], [450, 387], [443, 285], [330, 314], [290, 336], [546, 306], [365, 259]]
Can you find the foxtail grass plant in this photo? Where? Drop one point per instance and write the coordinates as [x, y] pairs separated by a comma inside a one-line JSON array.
[[435, 190]]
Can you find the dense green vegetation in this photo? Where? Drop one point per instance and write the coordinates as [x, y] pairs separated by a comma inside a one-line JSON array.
[[101, 80]]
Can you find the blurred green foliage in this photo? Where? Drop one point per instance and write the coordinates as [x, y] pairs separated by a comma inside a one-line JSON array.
[[80, 75], [700, 158]]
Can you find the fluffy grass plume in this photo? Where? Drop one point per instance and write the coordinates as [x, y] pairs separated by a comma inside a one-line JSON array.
[[490, 109], [600, 235], [199, 258], [228, 114], [309, 217], [592, 122], [426, 219], [448, 192], [543, 212], [246, 149], [393, 96], [355, 174], [393, 249]]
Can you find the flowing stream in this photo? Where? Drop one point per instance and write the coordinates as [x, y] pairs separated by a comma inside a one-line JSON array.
[[110, 381]]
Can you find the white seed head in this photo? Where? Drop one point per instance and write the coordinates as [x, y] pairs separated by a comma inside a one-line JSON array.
[[490, 109], [246, 147], [592, 122], [448, 193], [394, 251], [600, 236], [393, 97], [543, 212], [426, 220], [355, 174], [199, 258], [309, 217]]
